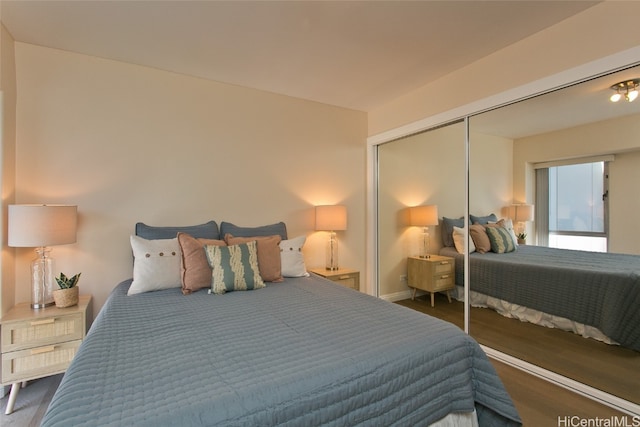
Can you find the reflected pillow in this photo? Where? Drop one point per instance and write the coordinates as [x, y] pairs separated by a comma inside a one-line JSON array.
[[459, 238], [508, 225], [483, 219], [480, 238], [447, 230], [500, 240]]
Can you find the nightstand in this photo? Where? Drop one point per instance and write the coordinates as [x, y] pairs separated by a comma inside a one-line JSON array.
[[344, 276], [433, 274], [39, 343]]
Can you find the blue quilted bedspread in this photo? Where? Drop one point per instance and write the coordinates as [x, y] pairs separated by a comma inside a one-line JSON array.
[[593, 288], [304, 352]]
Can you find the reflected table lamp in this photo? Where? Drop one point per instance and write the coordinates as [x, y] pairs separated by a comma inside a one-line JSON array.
[[331, 218], [41, 226], [520, 214], [424, 216]]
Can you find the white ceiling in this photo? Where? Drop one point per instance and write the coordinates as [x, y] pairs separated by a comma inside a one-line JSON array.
[[354, 54], [579, 104]]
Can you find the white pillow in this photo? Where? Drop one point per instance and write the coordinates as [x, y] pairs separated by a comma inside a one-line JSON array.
[[508, 224], [291, 257], [458, 240], [156, 265]]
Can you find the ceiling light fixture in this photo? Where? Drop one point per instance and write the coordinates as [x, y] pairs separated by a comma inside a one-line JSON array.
[[627, 89]]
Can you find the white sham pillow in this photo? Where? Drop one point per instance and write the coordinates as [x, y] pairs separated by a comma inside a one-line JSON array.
[[508, 224], [458, 240], [291, 257], [156, 265]]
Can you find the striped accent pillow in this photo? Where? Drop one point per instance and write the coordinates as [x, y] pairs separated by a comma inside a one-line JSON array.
[[234, 268], [500, 239]]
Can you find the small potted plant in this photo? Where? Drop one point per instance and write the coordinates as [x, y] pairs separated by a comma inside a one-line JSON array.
[[522, 238], [67, 295]]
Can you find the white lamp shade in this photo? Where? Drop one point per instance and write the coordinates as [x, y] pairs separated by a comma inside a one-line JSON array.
[[423, 216], [34, 226], [331, 218], [521, 213]]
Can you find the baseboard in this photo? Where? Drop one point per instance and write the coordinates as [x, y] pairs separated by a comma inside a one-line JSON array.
[[399, 296], [592, 393]]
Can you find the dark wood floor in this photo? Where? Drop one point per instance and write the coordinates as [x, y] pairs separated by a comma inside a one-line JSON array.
[[610, 368], [541, 403]]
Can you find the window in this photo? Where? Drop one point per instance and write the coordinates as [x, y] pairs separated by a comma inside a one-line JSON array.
[[572, 200]]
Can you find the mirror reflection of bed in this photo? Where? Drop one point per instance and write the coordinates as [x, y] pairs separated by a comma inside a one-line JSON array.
[[506, 144]]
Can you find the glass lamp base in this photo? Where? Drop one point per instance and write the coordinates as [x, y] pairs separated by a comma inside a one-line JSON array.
[[332, 252], [42, 279], [424, 243]]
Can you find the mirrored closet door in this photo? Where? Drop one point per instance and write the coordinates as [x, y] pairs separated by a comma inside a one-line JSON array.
[[425, 171], [512, 153], [571, 157]]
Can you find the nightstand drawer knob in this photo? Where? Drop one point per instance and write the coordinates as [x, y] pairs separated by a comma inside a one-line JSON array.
[[345, 277], [444, 262], [446, 276], [43, 322], [41, 350]]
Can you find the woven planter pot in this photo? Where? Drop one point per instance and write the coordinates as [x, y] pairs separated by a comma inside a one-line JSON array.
[[66, 297]]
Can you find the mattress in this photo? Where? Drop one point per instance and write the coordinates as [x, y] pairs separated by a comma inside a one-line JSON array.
[[302, 352], [601, 290]]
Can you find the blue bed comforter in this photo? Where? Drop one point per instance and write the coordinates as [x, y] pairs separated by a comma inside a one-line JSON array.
[[593, 288], [304, 352]]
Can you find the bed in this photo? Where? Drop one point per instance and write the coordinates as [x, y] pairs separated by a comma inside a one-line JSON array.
[[594, 294], [303, 351]]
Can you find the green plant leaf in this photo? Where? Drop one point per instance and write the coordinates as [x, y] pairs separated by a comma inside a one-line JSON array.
[[65, 282]]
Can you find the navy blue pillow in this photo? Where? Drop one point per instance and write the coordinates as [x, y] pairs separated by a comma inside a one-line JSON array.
[[208, 230], [266, 230], [484, 220], [447, 229]]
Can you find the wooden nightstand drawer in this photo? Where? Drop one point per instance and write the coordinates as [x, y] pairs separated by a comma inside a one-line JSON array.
[[442, 282], [346, 277], [443, 267], [348, 280], [40, 332], [38, 361]]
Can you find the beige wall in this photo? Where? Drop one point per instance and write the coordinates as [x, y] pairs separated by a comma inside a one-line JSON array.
[[7, 163], [593, 34], [108, 136], [490, 174], [128, 143], [617, 136]]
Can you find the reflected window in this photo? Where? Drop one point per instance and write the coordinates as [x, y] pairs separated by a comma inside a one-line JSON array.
[[575, 199]]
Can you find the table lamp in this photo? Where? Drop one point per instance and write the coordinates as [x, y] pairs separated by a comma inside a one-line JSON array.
[[423, 216], [41, 226], [521, 213], [331, 218]]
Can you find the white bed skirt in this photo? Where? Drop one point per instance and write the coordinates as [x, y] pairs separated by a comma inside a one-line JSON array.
[[530, 315], [468, 419]]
